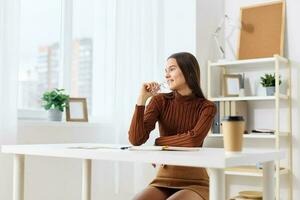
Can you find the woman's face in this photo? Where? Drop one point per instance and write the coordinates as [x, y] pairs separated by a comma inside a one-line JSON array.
[[174, 75]]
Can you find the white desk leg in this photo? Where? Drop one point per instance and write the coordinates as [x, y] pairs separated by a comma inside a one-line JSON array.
[[216, 184], [268, 180], [18, 177], [86, 179]]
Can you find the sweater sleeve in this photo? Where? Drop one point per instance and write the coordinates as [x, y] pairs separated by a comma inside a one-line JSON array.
[[143, 123], [195, 136]]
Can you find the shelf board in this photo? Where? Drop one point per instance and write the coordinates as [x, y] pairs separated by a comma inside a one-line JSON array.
[[252, 135], [249, 171], [283, 96], [284, 134], [248, 98], [248, 61]]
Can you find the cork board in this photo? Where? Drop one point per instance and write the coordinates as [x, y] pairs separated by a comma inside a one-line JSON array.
[[262, 30]]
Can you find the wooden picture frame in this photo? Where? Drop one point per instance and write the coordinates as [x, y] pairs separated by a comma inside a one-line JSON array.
[[232, 85], [262, 30], [76, 110]]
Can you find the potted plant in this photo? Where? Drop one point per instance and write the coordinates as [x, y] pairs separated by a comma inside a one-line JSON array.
[[55, 101], [268, 81]]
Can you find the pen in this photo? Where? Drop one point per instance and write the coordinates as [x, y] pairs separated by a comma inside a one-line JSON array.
[[123, 148]]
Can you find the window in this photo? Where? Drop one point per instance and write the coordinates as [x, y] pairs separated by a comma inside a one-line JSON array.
[[82, 50], [39, 67], [40, 45]]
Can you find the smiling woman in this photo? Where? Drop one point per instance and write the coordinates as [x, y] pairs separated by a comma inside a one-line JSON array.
[[184, 117]]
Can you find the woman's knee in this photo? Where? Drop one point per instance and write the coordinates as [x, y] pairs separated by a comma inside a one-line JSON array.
[[151, 193], [185, 194]]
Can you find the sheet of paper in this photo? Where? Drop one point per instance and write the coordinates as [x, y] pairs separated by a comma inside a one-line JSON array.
[[101, 146]]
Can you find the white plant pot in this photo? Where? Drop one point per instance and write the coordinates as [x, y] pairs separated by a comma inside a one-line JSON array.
[[54, 115], [270, 91]]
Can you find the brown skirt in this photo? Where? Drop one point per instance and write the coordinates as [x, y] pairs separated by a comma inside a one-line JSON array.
[[178, 177]]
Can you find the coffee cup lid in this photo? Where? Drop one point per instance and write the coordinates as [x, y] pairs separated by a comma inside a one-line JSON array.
[[233, 118]]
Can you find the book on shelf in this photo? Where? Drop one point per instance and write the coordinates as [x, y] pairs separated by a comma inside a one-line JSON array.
[[217, 121], [248, 195]]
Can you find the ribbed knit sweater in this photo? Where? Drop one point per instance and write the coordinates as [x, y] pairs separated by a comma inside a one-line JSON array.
[[183, 121]]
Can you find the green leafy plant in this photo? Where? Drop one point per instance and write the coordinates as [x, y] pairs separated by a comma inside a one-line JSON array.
[[268, 80], [55, 99]]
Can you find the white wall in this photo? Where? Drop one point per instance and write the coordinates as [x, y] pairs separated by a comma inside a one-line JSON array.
[[208, 15], [8, 89], [293, 52], [179, 26]]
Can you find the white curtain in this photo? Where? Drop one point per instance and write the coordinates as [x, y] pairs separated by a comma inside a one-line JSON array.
[[128, 37], [9, 16]]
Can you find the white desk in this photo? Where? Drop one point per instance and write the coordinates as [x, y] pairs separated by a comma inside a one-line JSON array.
[[212, 158]]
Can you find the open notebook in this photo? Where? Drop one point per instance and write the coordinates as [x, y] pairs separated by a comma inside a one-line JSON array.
[[135, 148], [163, 148]]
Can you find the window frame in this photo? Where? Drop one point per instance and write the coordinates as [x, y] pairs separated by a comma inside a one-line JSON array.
[[65, 59]]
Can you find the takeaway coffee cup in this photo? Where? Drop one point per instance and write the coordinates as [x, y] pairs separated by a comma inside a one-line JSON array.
[[233, 128]]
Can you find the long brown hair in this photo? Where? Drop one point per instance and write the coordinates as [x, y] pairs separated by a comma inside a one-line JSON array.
[[189, 66]]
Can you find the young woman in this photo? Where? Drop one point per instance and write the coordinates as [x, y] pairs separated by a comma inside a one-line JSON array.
[[184, 117]]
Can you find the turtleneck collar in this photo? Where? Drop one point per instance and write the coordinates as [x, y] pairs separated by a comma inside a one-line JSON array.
[[180, 97]]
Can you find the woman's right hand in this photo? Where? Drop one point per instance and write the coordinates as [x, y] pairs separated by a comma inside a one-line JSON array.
[[147, 90]]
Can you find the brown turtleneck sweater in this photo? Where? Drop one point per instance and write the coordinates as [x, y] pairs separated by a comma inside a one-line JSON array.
[[183, 121]]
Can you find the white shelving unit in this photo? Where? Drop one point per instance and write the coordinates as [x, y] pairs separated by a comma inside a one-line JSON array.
[[275, 63]]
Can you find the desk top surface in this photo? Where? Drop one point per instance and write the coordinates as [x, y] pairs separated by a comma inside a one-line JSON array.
[[204, 157]]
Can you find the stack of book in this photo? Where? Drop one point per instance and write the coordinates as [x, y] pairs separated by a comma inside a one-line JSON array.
[[248, 195]]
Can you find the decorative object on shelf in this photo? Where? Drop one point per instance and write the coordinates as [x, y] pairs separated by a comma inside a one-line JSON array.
[[55, 101], [262, 31], [242, 85], [268, 81], [76, 110], [234, 25], [231, 85]]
